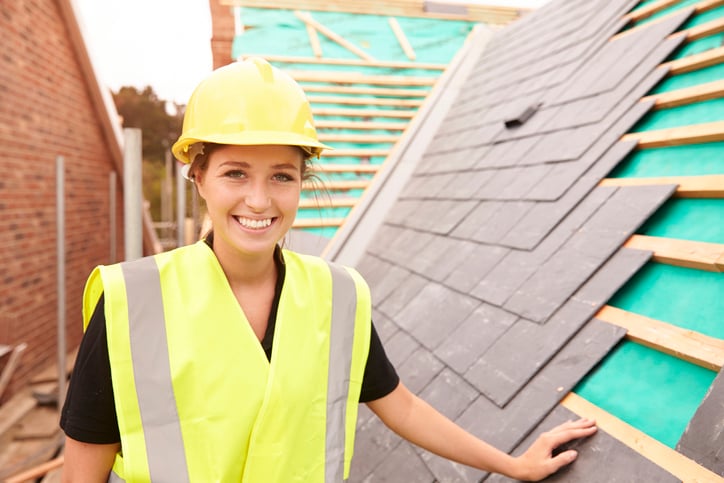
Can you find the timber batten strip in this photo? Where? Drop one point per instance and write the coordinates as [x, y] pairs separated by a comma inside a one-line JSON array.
[[681, 253], [374, 91], [696, 61], [337, 185], [314, 41], [327, 202], [361, 125], [356, 78], [366, 113], [694, 134], [672, 461], [689, 95], [401, 38], [384, 64], [649, 10], [335, 37], [688, 345], [358, 138], [345, 168], [317, 222], [705, 186], [355, 153], [712, 27], [364, 101]]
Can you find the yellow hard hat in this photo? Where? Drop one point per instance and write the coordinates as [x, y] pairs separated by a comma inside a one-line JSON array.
[[248, 102]]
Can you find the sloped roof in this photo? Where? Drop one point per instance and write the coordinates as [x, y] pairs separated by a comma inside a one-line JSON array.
[[492, 268]]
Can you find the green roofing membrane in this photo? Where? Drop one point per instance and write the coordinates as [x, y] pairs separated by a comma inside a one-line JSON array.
[[664, 12], [693, 298], [652, 391], [698, 219], [686, 115], [673, 161]]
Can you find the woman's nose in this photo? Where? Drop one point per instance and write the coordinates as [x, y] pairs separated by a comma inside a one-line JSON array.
[[257, 197]]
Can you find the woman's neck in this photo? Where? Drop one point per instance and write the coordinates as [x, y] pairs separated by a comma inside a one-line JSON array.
[[245, 269]]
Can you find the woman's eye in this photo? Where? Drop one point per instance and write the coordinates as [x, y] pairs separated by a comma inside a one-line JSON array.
[[283, 177], [235, 173]]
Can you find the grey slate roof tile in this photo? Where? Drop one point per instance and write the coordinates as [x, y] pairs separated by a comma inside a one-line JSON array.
[[481, 259], [502, 221], [384, 326], [435, 312], [478, 217], [703, 439], [466, 185], [505, 428], [442, 255], [401, 464], [382, 277], [500, 376], [373, 444], [590, 466], [449, 393], [420, 368], [401, 295], [474, 336], [400, 346], [506, 154]]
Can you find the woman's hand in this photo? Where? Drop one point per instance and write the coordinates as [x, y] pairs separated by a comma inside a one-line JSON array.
[[538, 461]]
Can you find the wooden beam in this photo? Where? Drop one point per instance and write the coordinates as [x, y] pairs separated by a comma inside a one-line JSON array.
[[356, 78], [649, 10], [401, 38], [688, 345], [385, 64], [362, 125], [675, 136], [36, 472], [346, 185], [314, 41], [706, 186], [355, 153], [345, 168], [374, 91], [712, 27], [365, 101], [359, 138], [317, 222], [688, 95], [333, 36], [682, 253], [327, 202], [364, 113], [667, 458], [696, 61]]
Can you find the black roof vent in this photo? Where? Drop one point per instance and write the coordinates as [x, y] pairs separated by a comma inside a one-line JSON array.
[[521, 116]]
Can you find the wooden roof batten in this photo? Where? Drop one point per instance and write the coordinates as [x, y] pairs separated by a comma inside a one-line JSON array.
[[492, 14], [681, 253], [705, 186]]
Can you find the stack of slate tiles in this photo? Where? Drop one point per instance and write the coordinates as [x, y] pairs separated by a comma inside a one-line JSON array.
[[489, 268]]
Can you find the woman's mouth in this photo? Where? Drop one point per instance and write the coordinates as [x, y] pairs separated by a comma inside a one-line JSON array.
[[254, 224]]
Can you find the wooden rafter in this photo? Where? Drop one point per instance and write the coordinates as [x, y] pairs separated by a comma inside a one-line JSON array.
[[355, 153], [345, 168], [667, 458], [314, 41], [335, 37], [357, 184], [365, 101], [688, 95], [684, 344], [374, 91], [318, 222], [362, 125], [355, 78], [358, 138], [696, 61], [401, 38], [497, 15], [328, 202], [384, 64], [707, 186], [682, 253], [364, 113], [691, 34], [649, 10], [712, 27], [697, 133]]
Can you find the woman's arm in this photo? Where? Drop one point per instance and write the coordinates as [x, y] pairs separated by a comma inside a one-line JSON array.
[[88, 463], [418, 422]]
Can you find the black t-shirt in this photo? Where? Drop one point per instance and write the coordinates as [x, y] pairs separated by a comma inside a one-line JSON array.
[[89, 412]]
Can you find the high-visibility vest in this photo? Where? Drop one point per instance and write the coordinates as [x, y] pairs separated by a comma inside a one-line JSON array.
[[196, 397]]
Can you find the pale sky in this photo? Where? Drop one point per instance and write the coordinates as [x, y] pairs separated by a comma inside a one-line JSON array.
[[161, 43]]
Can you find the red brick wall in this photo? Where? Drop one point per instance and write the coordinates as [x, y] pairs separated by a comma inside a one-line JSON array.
[[222, 36], [45, 112]]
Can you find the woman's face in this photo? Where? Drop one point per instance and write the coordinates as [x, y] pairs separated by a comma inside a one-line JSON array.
[[252, 195]]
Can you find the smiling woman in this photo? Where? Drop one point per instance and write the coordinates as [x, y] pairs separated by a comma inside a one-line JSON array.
[[235, 360]]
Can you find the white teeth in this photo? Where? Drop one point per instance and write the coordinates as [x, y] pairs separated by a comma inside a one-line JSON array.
[[254, 224]]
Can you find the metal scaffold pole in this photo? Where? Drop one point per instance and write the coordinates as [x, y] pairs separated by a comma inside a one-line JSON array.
[[60, 235], [181, 208], [133, 193]]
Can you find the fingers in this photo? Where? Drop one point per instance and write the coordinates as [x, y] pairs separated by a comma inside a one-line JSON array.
[[563, 459], [570, 431]]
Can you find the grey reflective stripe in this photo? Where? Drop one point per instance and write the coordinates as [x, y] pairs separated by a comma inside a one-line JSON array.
[[114, 478], [152, 372], [344, 308]]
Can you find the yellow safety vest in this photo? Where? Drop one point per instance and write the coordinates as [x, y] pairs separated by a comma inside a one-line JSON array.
[[196, 397]]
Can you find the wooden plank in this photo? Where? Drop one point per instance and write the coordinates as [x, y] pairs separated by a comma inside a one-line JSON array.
[[365, 101], [314, 41], [358, 138], [649, 10], [328, 202], [667, 458], [384, 64], [685, 344], [14, 410], [50, 373], [675, 136], [345, 168], [696, 61], [712, 27], [401, 38], [11, 365], [338, 185], [374, 91], [357, 78], [40, 423], [362, 125], [365, 113], [497, 15], [688, 95], [37, 471], [356, 153], [706, 186], [682, 253], [317, 222], [333, 36]]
